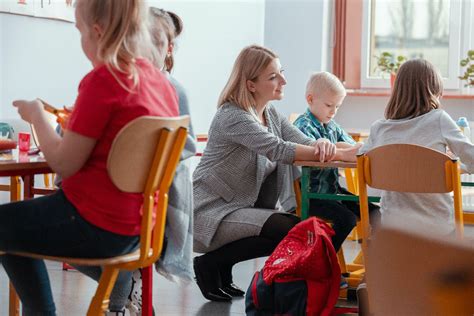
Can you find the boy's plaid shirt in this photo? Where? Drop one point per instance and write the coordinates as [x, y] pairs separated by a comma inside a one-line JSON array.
[[324, 180]]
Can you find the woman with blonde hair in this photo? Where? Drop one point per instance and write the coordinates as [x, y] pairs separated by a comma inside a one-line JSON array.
[[245, 170]]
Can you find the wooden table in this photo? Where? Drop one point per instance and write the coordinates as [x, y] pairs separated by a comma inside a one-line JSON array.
[[21, 164]]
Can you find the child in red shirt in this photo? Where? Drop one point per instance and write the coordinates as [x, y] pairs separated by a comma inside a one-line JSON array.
[[89, 216]]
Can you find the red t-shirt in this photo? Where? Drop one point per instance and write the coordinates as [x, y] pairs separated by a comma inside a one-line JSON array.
[[101, 109]]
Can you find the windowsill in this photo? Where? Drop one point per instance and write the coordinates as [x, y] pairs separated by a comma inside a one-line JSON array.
[[448, 94]]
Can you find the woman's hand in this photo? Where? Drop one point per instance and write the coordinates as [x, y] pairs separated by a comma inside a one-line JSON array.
[[325, 149], [30, 111]]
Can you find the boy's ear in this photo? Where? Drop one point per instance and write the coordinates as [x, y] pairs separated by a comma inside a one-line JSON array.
[[251, 86], [309, 98]]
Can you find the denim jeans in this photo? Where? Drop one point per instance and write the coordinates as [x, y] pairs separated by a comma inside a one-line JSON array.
[[50, 225]]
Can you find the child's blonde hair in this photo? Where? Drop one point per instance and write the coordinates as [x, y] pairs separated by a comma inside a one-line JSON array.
[[416, 91], [250, 63], [164, 25], [125, 34], [322, 82]]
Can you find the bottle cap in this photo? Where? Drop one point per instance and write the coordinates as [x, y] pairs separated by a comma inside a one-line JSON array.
[[462, 122]]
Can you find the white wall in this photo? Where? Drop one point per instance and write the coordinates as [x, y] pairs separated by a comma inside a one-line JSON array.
[[214, 33], [43, 58], [298, 31], [40, 58]]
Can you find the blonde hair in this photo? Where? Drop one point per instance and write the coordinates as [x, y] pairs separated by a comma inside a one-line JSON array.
[[166, 26], [125, 34], [322, 82], [250, 63], [416, 91]]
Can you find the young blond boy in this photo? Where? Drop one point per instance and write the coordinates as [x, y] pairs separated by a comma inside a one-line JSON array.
[[324, 95]]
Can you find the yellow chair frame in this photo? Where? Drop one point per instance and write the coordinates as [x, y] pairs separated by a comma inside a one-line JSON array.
[[142, 159]]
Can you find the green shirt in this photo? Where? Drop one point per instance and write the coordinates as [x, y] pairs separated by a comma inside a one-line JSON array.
[[324, 180]]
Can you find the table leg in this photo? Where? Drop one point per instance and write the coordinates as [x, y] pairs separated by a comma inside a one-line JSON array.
[[14, 302], [304, 192], [28, 183]]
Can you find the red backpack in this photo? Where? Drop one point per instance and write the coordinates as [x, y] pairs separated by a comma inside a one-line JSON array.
[[301, 277]]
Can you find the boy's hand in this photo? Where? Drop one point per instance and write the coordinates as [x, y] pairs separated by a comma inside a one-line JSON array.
[[350, 154], [325, 149]]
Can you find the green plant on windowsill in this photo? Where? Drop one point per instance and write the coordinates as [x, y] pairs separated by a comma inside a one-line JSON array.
[[469, 72], [389, 63]]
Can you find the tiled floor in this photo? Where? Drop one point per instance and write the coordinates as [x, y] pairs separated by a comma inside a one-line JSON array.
[[73, 291]]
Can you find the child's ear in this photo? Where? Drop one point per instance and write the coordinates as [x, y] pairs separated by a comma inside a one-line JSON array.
[[251, 86], [309, 98], [98, 31]]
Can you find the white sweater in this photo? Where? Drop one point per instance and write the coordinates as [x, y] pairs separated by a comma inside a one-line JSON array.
[[436, 130]]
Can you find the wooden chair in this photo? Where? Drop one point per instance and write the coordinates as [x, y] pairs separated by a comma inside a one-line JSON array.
[[439, 280], [407, 168], [142, 159]]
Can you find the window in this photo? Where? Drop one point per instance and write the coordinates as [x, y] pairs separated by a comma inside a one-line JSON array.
[[437, 30]]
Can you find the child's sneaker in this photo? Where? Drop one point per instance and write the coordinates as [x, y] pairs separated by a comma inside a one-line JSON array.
[[343, 284], [134, 304]]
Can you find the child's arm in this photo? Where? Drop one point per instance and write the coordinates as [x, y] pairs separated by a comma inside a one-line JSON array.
[[64, 155], [341, 154], [344, 145], [459, 144]]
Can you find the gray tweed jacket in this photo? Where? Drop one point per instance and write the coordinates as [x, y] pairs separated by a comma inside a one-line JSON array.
[[231, 171]]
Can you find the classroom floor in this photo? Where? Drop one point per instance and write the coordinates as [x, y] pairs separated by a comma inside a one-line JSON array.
[[72, 291]]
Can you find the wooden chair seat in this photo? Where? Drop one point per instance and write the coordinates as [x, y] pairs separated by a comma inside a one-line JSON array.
[[119, 260]]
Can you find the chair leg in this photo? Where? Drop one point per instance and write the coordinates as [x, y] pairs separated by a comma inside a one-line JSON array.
[[100, 301], [342, 261], [14, 303], [147, 291]]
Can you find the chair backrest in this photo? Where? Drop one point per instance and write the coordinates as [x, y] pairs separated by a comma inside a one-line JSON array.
[[408, 168], [437, 280], [143, 159]]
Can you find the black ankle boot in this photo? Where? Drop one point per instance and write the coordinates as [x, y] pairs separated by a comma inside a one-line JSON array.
[[228, 285], [233, 290], [208, 280]]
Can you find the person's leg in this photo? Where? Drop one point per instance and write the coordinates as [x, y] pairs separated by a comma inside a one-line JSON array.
[[50, 225], [275, 229], [31, 281], [122, 287], [374, 210], [224, 258], [343, 219]]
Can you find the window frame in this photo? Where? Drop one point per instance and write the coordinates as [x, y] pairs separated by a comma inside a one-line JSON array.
[[457, 26]]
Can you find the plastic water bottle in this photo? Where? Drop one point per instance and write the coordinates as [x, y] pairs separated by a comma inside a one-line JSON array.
[[464, 126]]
